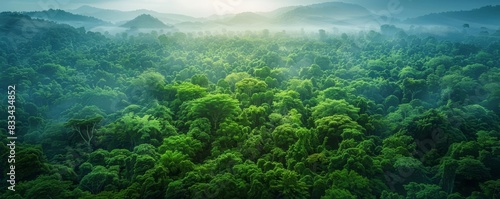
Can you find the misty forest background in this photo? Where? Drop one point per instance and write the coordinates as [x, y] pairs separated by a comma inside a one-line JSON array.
[[154, 112]]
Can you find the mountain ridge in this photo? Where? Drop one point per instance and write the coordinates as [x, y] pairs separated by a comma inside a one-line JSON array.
[[62, 16], [328, 13], [118, 16], [145, 21], [325, 15], [484, 15]]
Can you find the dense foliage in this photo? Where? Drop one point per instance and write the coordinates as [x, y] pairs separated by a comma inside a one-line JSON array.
[[252, 115]]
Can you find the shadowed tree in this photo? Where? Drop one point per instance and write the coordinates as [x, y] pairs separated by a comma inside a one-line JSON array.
[[97, 180], [200, 80], [86, 128], [421, 191], [491, 188], [331, 128], [287, 184], [349, 184], [132, 130], [46, 187]]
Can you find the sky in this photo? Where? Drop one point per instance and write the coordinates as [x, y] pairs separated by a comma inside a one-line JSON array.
[[203, 8]]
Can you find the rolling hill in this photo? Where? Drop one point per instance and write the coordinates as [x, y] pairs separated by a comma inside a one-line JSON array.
[[484, 16], [20, 26], [119, 16], [62, 16], [17, 28], [246, 18], [327, 13], [145, 21]]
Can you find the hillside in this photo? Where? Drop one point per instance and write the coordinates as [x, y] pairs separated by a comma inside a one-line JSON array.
[[62, 16], [20, 27], [246, 18], [17, 30], [278, 12], [488, 15], [118, 16], [329, 13], [144, 21], [317, 15]]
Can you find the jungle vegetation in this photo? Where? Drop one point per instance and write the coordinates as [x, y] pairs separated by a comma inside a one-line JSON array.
[[255, 114]]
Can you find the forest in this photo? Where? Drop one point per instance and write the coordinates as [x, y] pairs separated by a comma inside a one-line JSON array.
[[249, 114]]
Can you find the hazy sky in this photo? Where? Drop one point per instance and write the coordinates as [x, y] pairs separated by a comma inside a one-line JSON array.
[[200, 8]]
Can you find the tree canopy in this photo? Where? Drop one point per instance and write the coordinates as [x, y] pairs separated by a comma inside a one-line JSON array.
[[250, 114]]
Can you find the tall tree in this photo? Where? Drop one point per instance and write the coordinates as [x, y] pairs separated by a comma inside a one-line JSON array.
[[215, 107], [86, 128]]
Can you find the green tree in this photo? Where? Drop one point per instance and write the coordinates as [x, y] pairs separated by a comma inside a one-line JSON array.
[[491, 188], [188, 91], [132, 130], [45, 187], [229, 135], [349, 184], [338, 193], [330, 107], [303, 87], [200, 80], [215, 107], [391, 195], [330, 128], [148, 84], [182, 143], [287, 184], [256, 115], [323, 62], [98, 157], [417, 191], [285, 101], [86, 128], [411, 87], [262, 72], [30, 162], [224, 185], [432, 125], [472, 169], [284, 136], [175, 162], [232, 78], [97, 180], [250, 86]]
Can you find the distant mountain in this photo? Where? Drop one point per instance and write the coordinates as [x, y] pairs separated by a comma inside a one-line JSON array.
[[62, 16], [278, 12], [327, 13], [119, 16], [405, 9], [145, 21], [488, 15], [318, 15], [246, 18]]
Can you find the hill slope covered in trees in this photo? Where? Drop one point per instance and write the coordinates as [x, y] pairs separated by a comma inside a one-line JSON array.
[[488, 15], [144, 21]]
